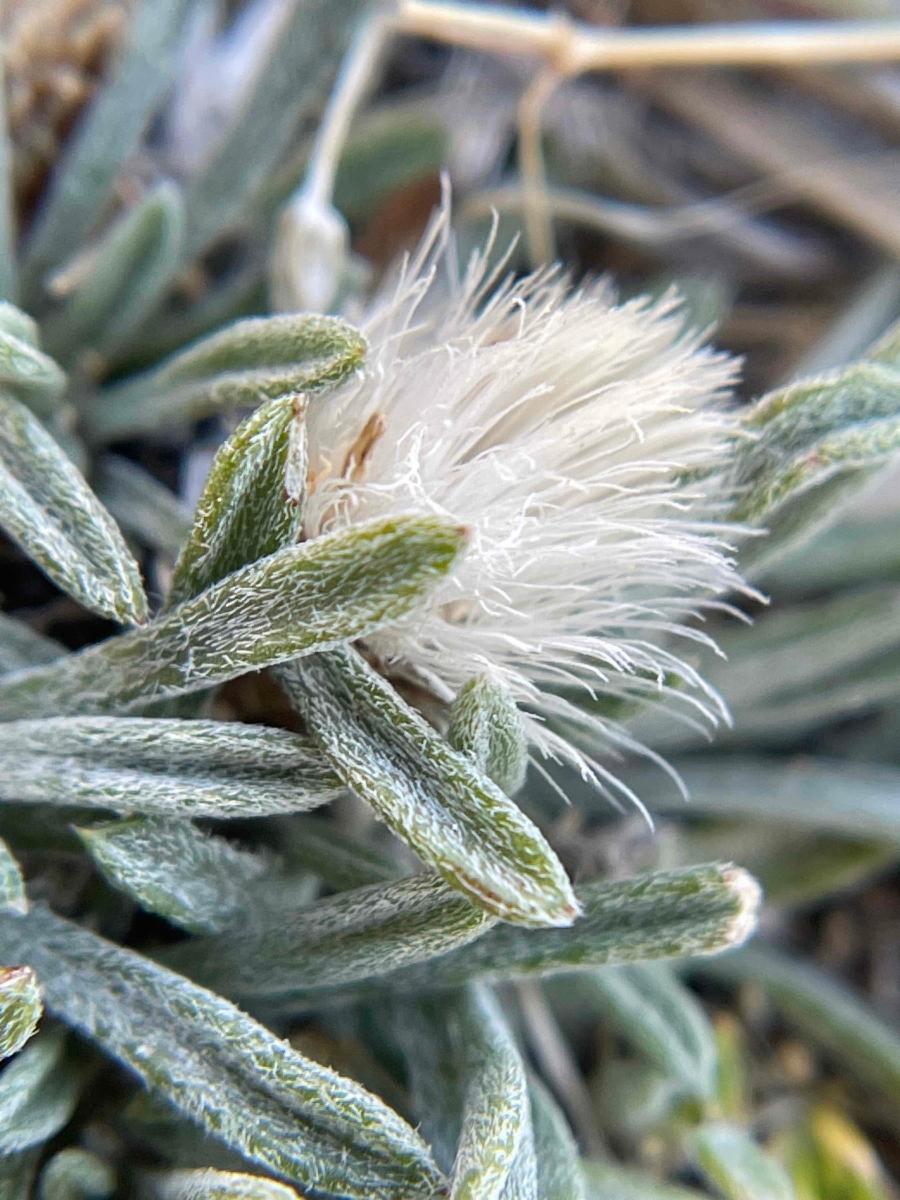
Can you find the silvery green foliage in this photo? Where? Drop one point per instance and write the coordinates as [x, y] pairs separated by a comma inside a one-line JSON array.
[[609, 1181], [736, 1166], [48, 509], [12, 886], [454, 818], [76, 1174], [811, 795], [110, 132], [301, 599], [495, 1159], [812, 443], [206, 1184], [38, 1091], [252, 501], [559, 1175], [220, 1068], [171, 868], [701, 910], [244, 363], [485, 725], [20, 1007], [27, 373], [127, 275], [355, 936], [167, 767]]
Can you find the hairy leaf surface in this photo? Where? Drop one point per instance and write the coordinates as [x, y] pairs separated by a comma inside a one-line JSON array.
[[48, 509], [248, 361], [164, 767], [222, 1069], [170, 868], [301, 599], [454, 818]]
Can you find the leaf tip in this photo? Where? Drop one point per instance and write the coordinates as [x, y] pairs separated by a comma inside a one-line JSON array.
[[747, 896]]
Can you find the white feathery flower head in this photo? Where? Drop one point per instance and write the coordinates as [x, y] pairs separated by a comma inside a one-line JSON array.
[[560, 427]]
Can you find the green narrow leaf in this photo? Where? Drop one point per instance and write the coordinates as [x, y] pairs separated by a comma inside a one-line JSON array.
[[252, 501], [76, 1174], [29, 374], [38, 1089], [812, 443], [20, 1008], [48, 509], [12, 886], [806, 792], [736, 1166], [170, 868], [559, 1174], [454, 818], [496, 1139], [647, 1006], [635, 1100], [164, 767], [251, 360], [824, 1011], [205, 1184], [354, 936], [304, 598], [485, 725], [129, 270], [609, 1181], [21, 646], [109, 132], [220, 1068], [141, 504], [298, 71], [667, 914]]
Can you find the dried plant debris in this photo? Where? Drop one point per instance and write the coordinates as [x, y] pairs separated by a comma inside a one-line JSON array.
[[459, 560]]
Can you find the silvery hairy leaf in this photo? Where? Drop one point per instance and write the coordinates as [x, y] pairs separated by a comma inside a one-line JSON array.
[[450, 814], [667, 914], [301, 599], [170, 868], [496, 1155], [162, 767], [12, 886], [220, 1068], [252, 501], [50, 512], [354, 936], [250, 360], [485, 725]]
